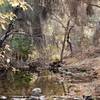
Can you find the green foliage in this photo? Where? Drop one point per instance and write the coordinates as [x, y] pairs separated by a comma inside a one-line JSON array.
[[22, 78], [6, 11], [5, 7], [21, 43]]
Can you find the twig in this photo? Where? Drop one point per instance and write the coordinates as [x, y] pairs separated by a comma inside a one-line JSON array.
[[58, 20], [63, 85], [68, 41], [67, 32], [65, 36], [7, 33], [92, 4]]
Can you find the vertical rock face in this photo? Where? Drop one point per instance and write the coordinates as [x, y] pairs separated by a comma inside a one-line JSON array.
[[76, 37], [96, 37]]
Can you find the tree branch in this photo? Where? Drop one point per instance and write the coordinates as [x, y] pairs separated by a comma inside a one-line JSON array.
[[65, 36], [92, 4], [7, 33], [68, 40]]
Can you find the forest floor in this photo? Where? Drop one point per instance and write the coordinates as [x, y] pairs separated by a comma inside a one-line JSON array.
[[84, 76], [80, 77]]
